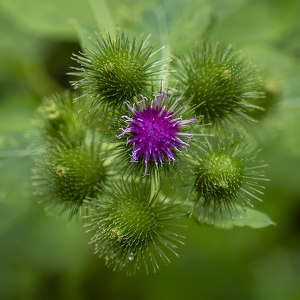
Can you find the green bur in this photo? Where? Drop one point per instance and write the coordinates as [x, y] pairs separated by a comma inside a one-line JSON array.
[[131, 228], [69, 164], [218, 177], [226, 176], [220, 82], [65, 177], [58, 120], [117, 70]]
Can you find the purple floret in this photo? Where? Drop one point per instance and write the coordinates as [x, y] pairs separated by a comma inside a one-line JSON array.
[[153, 131]]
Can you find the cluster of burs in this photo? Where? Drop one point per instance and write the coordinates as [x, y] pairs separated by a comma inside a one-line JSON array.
[[145, 142]]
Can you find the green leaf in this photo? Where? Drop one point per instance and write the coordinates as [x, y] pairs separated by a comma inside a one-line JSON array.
[[251, 217], [85, 34], [103, 16], [12, 214], [48, 18]]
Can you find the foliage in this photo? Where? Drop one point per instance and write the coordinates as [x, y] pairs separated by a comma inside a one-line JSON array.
[[41, 257]]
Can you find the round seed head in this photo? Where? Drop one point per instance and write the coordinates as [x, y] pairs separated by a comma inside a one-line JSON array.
[[220, 81], [118, 70], [218, 176], [65, 177], [58, 120], [130, 228], [225, 173]]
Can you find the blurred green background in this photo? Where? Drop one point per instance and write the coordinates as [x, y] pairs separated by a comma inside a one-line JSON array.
[[43, 258]]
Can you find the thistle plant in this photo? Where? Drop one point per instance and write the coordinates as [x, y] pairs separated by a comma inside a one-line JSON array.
[[118, 70], [118, 170], [220, 81]]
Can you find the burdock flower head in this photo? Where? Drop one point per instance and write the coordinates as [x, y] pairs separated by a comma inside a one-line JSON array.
[[226, 176], [155, 131], [220, 81], [64, 177], [117, 69], [132, 227]]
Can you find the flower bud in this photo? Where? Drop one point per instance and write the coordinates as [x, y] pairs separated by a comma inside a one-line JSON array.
[[58, 120], [225, 173], [64, 177], [130, 227], [220, 81], [117, 71]]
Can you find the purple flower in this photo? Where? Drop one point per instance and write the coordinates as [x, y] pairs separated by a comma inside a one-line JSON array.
[[154, 132]]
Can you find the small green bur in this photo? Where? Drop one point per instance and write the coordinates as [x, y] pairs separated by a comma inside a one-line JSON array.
[[218, 177], [77, 175], [118, 70], [66, 177], [219, 81], [129, 229], [226, 176], [58, 120]]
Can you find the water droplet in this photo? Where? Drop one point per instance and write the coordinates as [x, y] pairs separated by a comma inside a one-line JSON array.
[[130, 256]]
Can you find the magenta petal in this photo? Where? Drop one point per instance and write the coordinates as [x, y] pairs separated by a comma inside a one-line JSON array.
[[153, 132]]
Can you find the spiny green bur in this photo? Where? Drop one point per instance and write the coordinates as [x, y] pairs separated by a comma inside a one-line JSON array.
[[219, 81], [58, 120], [218, 177], [130, 230], [225, 174], [66, 177], [77, 174], [117, 71]]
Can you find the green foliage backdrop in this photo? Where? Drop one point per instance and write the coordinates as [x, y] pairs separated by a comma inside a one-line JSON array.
[[42, 258]]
